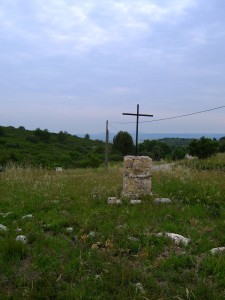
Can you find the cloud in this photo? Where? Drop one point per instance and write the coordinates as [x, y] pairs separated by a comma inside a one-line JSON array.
[[57, 26]]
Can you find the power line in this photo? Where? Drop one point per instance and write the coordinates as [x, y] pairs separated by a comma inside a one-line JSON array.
[[173, 117], [113, 127], [185, 115]]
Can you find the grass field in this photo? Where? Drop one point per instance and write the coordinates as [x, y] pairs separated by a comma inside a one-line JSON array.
[[80, 247]]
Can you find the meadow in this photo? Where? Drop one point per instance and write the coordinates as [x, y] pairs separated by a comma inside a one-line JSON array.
[[80, 247]]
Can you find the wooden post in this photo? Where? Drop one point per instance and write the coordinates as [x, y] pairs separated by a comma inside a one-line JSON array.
[[107, 146]]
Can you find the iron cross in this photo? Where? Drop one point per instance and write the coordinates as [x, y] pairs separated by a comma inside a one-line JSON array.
[[137, 115]]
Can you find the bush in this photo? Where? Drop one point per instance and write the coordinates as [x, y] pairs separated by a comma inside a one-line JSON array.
[[203, 148], [179, 153], [155, 149], [123, 143]]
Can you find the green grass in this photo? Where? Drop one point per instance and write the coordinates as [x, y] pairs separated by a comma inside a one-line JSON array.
[[113, 251]]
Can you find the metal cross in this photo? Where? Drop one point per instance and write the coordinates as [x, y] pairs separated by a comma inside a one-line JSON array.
[[137, 115]]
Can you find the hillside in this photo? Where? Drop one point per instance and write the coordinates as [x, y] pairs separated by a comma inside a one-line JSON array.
[[46, 149]]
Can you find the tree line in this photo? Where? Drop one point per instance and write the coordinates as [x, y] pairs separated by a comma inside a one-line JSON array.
[[157, 150], [46, 149]]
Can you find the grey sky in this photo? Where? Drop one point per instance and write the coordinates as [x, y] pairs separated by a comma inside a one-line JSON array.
[[71, 65]]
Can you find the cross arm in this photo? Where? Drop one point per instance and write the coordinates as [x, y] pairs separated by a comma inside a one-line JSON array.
[[142, 115]]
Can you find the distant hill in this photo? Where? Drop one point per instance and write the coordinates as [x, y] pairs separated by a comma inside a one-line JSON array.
[[43, 148], [157, 136]]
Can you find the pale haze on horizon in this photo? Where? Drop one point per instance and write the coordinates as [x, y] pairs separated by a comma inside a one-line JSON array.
[[71, 65]]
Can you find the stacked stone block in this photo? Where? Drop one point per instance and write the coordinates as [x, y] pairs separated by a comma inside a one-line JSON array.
[[137, 176]]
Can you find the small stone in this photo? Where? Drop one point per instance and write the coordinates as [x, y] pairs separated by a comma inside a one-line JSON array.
[[55, 201], [121, 226], [75, 238], [18, 229], [133, 239], [58, 169], [113, 200], [217, 250], [177, 238], [3, 228], [4, 215], [21, 238], [135, 201], [91, 234], [28, 216], [139, 288], [162, 200], [69, 229]]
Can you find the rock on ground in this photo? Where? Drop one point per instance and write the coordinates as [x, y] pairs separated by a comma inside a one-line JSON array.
[[162, 200], [2, 227], [113, 200], [21, 238], [217, 250], [135, 201], [177, 238]]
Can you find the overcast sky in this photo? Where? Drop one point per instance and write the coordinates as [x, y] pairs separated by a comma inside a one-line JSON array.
[[71, 65]]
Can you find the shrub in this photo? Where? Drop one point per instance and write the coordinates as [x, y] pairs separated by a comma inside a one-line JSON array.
[[123, 143], [203, 148]]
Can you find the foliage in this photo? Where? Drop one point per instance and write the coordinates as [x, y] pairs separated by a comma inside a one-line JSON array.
[[48, 150], [155, 149], [179, 153], [123, 143], [203, 148], [222, 144], [176, 142], [215, 163], [1, 131], [43, 135]]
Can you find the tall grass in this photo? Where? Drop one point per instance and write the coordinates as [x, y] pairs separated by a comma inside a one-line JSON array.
[[112, 252]]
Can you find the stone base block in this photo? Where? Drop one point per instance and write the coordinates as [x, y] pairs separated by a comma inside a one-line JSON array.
[[137, 176]]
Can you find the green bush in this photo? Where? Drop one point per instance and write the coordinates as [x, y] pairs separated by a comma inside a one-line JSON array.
[[203, 148]]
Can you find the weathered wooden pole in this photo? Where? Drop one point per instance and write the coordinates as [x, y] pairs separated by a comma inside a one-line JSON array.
[[107, 146]]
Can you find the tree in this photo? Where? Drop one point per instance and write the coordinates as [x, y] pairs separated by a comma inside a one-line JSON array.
[[203, 148], [123, 143], [155, 149], [1, 131], [87, 136], [43, 135], [62, 136], [179, 153]]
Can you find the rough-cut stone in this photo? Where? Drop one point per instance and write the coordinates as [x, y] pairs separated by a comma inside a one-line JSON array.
[[133, 239], [113, 200], [177, 238], [91, 234], [69, 229], [162, 200], [58, 169], [139, 288], [3, 228], [217, 250], [135, 201], [21, 238], [137, 176], [28, 216]]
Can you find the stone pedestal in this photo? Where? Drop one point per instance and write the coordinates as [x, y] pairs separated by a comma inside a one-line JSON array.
[[137, 176]]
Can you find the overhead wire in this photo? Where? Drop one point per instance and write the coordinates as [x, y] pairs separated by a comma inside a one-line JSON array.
[[173, 117]]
